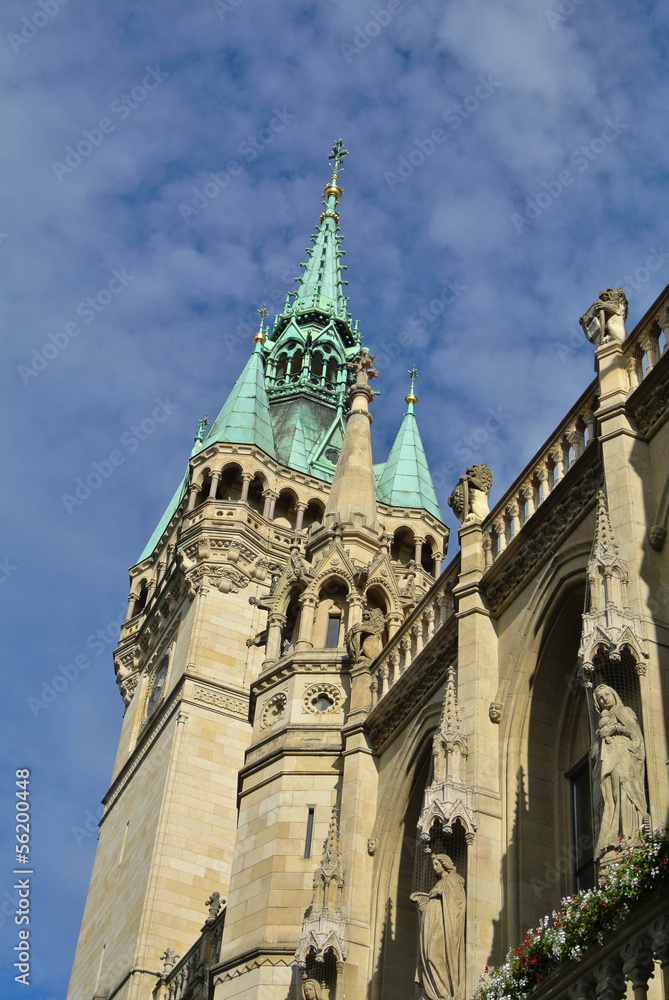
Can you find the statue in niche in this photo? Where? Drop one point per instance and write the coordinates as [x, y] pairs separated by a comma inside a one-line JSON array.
[[441, 913], [619, 767], [469, 499], [311, 990]]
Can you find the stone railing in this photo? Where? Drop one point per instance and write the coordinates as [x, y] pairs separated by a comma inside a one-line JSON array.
[[635, 955], [433, 611], [540, 476], [646, 344], [189, 978]]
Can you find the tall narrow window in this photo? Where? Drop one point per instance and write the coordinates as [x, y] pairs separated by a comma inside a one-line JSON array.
[[581, 806], [310, 832], [332, 636]]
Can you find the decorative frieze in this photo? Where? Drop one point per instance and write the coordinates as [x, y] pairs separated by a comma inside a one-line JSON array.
[[236, 706]]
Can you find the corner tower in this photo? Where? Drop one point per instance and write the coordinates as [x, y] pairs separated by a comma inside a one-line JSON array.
[[278, 570]]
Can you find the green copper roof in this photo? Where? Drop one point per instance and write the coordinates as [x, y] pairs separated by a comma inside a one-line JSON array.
[[165, 519], [405, 480], [245, 417]]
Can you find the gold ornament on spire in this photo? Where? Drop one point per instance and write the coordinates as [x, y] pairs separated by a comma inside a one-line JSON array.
[[259, 337], [413, 375], [335, 159]]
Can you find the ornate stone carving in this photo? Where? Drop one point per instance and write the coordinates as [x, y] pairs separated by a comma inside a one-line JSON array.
[[558, 520], [495, 712], [656, 536], [219, 700], [372, 845], [324, 928], [605, 319], [608, 623], [169, 958], [324, 692], [412, 687], [441, 966], [469, 499], [363, 640], [619, 756], [274, 710], [448, 796], [653, 408], [214, 903]]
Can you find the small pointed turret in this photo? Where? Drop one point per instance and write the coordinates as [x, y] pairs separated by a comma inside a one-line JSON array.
[[353, 484], [245, 417], [406, 480]]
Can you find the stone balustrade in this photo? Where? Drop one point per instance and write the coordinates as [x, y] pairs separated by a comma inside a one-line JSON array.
[[644, 347], [411, 637], [540, 477], [634, 960], [189, 979]]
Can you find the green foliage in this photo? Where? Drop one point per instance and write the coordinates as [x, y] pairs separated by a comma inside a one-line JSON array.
[[582, 921]]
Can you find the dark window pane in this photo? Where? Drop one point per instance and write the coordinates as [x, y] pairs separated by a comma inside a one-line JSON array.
[[332, 637]]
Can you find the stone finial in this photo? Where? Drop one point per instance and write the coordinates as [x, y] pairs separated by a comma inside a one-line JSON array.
[[324, 926], [169, 958], [214, 903], [608, 622], [469, 499], [605, 319]]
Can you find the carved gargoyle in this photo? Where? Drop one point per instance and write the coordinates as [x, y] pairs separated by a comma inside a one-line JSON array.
[[469, 499], [605, 319]]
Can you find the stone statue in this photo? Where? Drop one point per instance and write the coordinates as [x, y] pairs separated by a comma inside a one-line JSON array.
[[441, 967], [363, 640], [619, 767], [605, 319], [469, 499], [311, 990]]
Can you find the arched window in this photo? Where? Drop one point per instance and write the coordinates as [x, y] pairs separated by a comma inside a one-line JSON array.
[[402, 548], [313, 514], [331, 616], [281, 368], [255, 497], [285, 514], [296, 366], [331, 371], [316, 368], [230, 485]]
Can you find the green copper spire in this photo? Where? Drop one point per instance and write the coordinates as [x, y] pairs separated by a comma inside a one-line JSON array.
[[405, 480], [245, 417], [322, 286]]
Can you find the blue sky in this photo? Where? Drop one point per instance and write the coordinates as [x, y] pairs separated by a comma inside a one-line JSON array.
[[128, 298]]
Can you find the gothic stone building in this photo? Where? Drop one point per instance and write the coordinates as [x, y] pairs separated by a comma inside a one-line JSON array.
[[315, 708]]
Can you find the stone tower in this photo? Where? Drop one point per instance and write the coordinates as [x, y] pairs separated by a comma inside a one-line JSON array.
[[283, 562]]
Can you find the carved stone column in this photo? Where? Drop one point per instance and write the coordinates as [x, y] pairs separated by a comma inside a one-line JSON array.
[[192, 497], [512, 511], [542, 477], [394, 622], [275, 626], [557, 457], [215, 480], [527, 494], [307, 604], [660, 938], [300, 508], [132, 601], [437, 559], [500, 530], [247, 479], [418, 550], [638, 966], [610, 979]]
